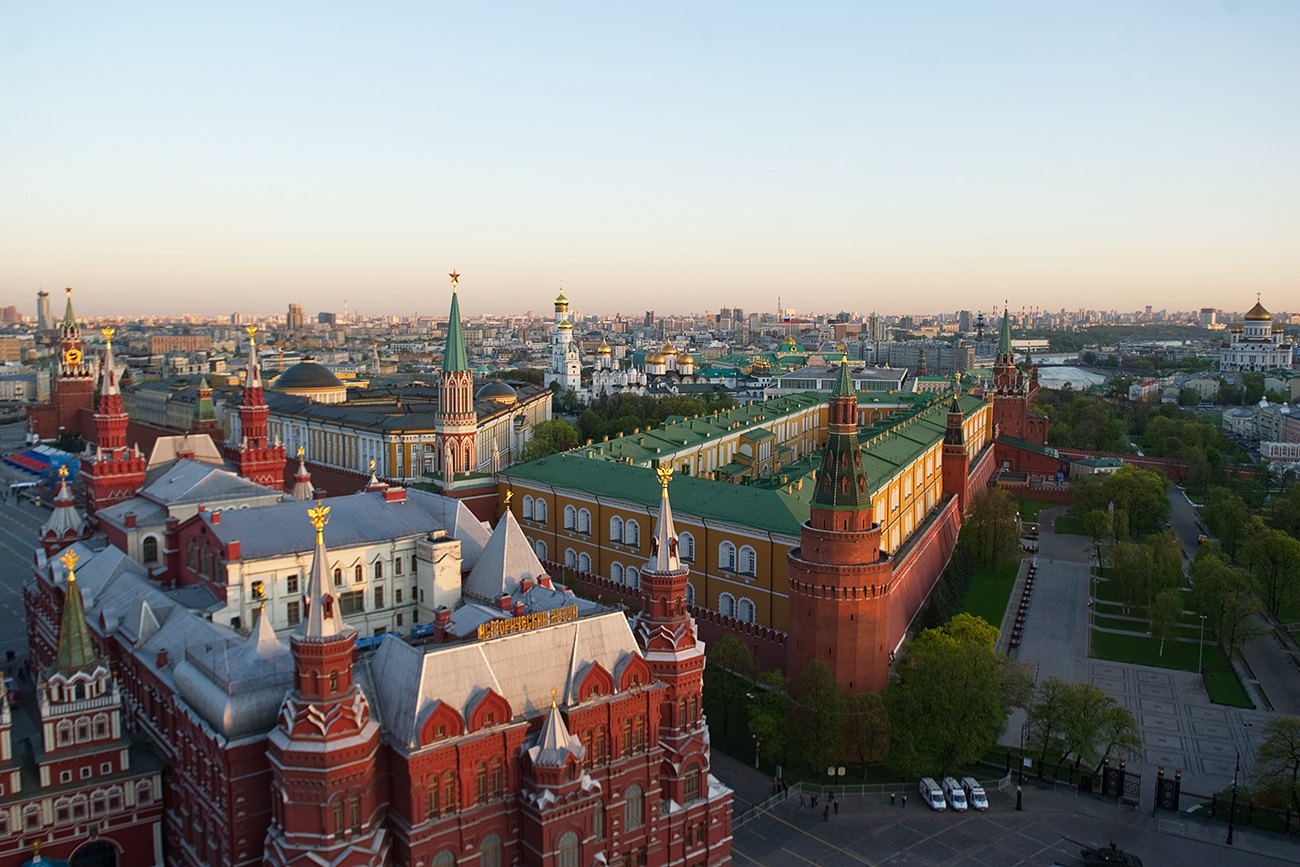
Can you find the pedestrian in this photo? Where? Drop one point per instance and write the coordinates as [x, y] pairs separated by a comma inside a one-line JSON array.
[[905, 802], [801, 800], [826, 814], [836, 804], [893, 797]]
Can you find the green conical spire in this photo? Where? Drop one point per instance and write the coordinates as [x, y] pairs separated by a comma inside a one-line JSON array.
[[69, 319], [1004, 342], [455, 358], [76, 650], [844, 384]]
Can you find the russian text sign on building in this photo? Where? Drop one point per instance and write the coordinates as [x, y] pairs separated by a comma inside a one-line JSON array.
[[511, 625]]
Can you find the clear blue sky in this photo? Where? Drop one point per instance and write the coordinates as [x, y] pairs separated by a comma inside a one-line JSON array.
[[901, 156]]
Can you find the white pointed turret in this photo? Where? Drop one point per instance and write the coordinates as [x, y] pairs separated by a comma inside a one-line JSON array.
[[252, 376], [323, 618], [664, 556], [108, 385], [302, 488], [554, 743], [65, 524]]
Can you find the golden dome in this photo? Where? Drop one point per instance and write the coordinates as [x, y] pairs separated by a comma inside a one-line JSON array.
[[561, 303], [1236, 329], [1277, 329], [603, 349], [565, 326], [1258, 314], [655, 357], [669, 349], [685, 359]]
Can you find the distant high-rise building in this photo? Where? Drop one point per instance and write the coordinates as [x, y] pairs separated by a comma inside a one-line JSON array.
[[875, 328], [649, 318], [43, 320], [963, 321], [327, 318], [9, 316], [295, 321], [236, 319], [1208, 317]]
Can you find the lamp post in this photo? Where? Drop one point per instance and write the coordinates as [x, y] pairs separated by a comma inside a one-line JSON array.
[[758, 744], [1232, 810], [1020, 774], [1200, 655]]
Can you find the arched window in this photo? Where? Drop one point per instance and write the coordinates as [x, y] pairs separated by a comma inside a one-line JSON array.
[[149, 550], [727, 605], [490, 851], [570, 558], [686, 546], [63, 733], [445, 858], [541, 549], [379, 569], [633, 577], [633, 814], [32, 817], [727, 557], [690, 593], [632, 533], [539, 509], [584, 521], [745, 610], [527, 510], [566, 850], [616, 529], [584, 562], [748, 561], [598, 821], [338, 577], [692, 783], [144, 792], [616, 573], [359, 573], [570, 518], [101, 725]]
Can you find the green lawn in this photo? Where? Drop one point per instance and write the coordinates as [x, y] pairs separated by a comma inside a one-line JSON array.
[[990, 592], [1068, 524], [1220, 680], [1029, 509]]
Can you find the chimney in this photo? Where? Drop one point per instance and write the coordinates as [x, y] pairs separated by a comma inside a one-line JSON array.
[[318, 494], [442, 615], [162, 658], [216, 517], [130, 520], [232, 551], [394, 495], [519, 608], [504, 602]]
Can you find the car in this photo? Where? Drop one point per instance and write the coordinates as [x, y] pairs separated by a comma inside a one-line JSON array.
[[954, 793], [932, 794], [975, 796]]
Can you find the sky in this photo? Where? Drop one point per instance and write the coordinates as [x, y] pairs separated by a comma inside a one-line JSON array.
[[899, 157]]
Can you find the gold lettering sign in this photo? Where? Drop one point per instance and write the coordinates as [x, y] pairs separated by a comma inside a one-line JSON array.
[[527, 622]]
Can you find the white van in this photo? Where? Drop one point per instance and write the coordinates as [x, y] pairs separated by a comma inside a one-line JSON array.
[[955, 794], [932, 794], [975, 796]]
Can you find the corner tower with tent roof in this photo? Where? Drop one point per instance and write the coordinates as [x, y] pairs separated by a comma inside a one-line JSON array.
[[113, 472], [839, 577], [326, 807], [258, 459], [456, 425]]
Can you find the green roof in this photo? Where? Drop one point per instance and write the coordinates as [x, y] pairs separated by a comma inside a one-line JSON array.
[[76, 650], [455, 358], [69, 320]]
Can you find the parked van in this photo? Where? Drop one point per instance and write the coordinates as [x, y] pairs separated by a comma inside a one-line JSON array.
[[955, 794], [975, 796], [932, 794]]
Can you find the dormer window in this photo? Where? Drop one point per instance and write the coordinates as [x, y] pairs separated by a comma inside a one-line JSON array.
[[489, 719]]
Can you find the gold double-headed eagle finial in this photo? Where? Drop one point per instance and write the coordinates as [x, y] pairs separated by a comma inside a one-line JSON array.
[[63, 471], [320, 516], [252, 331], [108, 333], [665, 475], [552, 696], [301, 451], [69, 560]]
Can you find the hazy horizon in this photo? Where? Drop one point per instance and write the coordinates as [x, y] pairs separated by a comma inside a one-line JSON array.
[[913, 158]]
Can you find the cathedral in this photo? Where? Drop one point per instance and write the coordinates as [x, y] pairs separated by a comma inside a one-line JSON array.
[[1257, 345]]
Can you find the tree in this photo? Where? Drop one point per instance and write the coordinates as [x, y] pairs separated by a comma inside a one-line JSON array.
[[817, 715], [1274, 559], [1086, 707], [1119, 733], [768, 714], [548, 438], [1227, 517], [1227, 599], [729, 674], [992, 527], [868, 727], [1277, 762], [949, 702], [1096, 524], [1047, 717], [1165, 612]]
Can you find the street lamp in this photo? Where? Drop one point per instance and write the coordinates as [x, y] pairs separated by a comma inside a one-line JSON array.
[[1020, 779], [1200, 656], [758, 743], [1232, 810]]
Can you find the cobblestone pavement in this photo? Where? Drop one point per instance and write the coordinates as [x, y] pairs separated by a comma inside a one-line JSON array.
[[867, 830]]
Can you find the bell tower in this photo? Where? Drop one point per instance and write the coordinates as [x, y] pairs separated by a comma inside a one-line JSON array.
[[839, 577], [326, 808]]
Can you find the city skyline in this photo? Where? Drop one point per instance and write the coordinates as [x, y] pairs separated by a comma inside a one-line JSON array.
[[902, 160]]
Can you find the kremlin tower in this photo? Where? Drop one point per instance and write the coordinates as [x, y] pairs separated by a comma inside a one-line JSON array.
[[1012, 393], [114, 472], [839, 577], [258, 460], [73, 388], [326, 808], [456, 428]]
